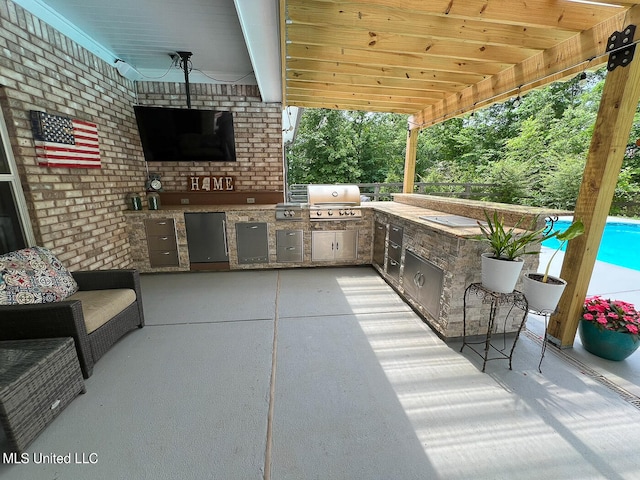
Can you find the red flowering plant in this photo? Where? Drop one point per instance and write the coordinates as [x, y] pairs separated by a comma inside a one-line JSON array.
[[614, 315]]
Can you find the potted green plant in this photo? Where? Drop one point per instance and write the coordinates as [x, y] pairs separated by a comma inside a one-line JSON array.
[[609, 328], [543, 291], [502, 264]]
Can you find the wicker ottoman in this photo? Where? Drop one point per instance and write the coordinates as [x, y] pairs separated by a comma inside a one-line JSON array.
[[38, 378]]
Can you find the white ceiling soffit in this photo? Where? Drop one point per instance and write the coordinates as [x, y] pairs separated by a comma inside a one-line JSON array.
[[260, 26], [60, 23], [113, 30]]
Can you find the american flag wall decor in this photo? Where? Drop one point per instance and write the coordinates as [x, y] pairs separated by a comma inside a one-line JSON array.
[[65, 142]]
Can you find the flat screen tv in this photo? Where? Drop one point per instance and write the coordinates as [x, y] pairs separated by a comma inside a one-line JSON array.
[[185, 135]]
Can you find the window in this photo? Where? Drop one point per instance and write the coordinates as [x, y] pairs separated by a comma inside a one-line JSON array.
[[15, 229]]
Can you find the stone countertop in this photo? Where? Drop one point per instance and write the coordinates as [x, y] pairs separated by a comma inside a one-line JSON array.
[[171, 209], [413, 213], [405, 211], [406, 207], [511, 214]]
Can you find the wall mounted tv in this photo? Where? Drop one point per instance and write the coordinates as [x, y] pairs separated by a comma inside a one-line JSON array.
[[185, 135]]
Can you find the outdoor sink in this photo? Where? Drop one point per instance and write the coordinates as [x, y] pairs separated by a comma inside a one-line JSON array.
[[454, 221]]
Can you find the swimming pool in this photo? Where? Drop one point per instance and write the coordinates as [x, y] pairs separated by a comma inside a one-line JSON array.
[[620, 243]]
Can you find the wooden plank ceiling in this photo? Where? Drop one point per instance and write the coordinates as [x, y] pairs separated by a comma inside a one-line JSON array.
[[437, 59]]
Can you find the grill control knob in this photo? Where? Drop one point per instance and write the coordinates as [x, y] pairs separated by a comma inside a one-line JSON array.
[[330, 212], [319, 213]]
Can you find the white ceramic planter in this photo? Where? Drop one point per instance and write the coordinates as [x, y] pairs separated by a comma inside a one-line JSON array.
[[500, 275], [542, 297]]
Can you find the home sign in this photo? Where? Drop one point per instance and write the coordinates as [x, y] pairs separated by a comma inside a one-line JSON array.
[[220, 183]]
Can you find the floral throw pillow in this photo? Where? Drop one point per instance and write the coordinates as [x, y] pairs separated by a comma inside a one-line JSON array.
[[34, 275]]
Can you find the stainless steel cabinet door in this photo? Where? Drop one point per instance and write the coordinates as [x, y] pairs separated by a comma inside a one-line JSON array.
[[206, 237], [253, 242], [346, 245], [322, 246], [422, 281], [334, 245]]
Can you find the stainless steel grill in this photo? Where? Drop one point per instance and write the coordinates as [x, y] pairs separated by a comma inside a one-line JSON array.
[[334, 202], [288, 211]]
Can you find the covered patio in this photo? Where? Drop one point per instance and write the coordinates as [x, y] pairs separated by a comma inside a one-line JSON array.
[[325, 373]]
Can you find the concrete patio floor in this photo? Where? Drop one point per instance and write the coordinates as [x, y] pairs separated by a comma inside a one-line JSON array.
[[327, 374]]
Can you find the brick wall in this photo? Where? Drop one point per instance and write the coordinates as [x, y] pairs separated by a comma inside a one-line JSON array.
[[78, 213], [257, 127]]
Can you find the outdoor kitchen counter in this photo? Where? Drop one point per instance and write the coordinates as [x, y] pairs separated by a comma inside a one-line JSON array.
[[164, 210], [407, 212], [413, 206], [237, 214], [451, 250], [405, 208], [413, 213]]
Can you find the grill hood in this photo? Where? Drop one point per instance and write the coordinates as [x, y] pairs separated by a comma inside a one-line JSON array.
[[319, 195]]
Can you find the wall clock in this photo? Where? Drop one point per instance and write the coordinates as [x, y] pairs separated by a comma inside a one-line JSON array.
[[154, 184]]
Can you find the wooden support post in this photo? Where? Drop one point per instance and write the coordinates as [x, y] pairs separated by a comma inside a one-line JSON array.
[[410, 161], [611, 134]]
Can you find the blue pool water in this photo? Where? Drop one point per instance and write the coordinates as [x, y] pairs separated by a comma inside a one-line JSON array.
[[620, 243]]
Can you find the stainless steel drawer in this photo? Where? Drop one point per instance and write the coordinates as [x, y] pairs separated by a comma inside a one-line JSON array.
[[288, 238], [291, 253], [163, 258], [159, 226], [395, 234], [395, 251], [393, 268], [162, 242]]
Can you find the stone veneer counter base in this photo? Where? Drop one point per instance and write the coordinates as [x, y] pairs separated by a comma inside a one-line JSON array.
[[451, 250]]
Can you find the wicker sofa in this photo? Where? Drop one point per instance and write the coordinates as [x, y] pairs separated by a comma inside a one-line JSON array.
[[106, 305]]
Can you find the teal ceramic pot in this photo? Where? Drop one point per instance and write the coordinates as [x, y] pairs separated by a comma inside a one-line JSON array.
[[607, 343]]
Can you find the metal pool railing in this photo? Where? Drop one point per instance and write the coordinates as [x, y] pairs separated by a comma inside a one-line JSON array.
[[297, 193]]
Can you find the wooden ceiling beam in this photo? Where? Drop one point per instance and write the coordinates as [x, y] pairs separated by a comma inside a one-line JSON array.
[[401, 60], [571, 54], [295, 65], [617, 3], [311, 102], [372, 43], [418, 94], [359, 81], [379, 19], [531, 13], [379, 98]]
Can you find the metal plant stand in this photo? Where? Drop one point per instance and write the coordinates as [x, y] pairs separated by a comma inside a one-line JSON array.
[[513, 300], [545, 339]]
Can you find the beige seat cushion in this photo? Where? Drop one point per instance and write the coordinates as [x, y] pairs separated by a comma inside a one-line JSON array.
[[100, 306]]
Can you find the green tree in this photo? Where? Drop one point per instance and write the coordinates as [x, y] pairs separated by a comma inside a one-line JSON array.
[[324, 151], [533, 149], [561, 186], [379, 142], [346, 147]]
